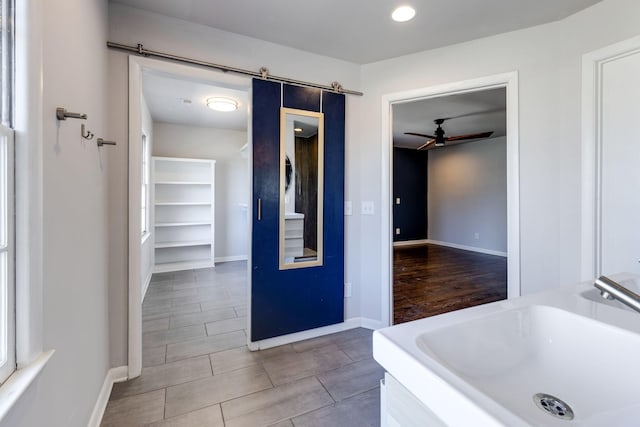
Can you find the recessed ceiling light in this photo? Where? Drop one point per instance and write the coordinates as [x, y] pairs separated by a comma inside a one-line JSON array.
[[222, 104], [185, 101], [403, 14], [297, 129]]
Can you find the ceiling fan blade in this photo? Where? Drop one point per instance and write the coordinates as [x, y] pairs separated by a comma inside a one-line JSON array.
[[420, 134], [425, 145], [469, 136]]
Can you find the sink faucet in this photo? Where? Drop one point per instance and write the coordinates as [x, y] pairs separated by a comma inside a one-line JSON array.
[[613, 290]]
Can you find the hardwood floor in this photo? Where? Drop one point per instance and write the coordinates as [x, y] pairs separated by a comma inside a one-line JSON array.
[[431, 279]]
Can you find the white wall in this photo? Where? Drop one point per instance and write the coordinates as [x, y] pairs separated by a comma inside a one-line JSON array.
[[231, 178], [147, 249], [75, 318], [467, 194], [548, 60], [132, 26]]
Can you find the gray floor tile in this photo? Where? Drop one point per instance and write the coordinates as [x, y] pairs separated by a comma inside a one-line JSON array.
[[162, 376], [205, 345], [241, 310], [155, 325], [362, 410], [152, 356], [171, 336], [158, 296], [358, 348], [182, 320], [213, 295], [274, 351], [156, 287], [352, 379], [230, 360], [158, 312], [224, 302], [286, 423], [135, 410], [218, 388], [184, 303], [276, 404], [228, 325], [210, 416], [313, 343], [293, 366]]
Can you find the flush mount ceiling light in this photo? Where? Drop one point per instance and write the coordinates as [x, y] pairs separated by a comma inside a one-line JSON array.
[[222, 104], [403, 14], [297, 129]]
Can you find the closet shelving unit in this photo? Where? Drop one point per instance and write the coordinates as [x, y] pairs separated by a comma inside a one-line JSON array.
[[183, 194]]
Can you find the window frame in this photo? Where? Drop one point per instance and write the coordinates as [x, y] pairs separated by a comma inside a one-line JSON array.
[[7, 255], [7, 206]]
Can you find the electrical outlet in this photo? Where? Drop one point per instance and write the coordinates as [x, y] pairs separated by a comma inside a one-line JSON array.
[[348, 208], [347, 290], [397, 200], [367, 208], [397, 231], [476, 236]]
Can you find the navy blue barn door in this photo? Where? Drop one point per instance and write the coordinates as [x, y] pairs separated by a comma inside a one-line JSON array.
[[288, 301]]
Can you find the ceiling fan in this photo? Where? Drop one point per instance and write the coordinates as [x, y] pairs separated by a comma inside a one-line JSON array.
[[439, 139]]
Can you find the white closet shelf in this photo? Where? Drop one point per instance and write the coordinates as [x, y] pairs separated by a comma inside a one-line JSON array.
[[183, 182], [183, 203], [162, 245], [182, 265], [180, 224]]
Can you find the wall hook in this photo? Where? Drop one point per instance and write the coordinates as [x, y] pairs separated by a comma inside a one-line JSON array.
[[88, 135], [102, 142], [63, 114]]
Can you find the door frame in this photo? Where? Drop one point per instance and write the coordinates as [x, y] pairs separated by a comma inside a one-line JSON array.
[[135, 295], [510, 82], [592, 70]]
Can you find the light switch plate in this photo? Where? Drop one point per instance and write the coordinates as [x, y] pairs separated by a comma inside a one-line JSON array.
[[368, 208], [347, 290], [348, 208]]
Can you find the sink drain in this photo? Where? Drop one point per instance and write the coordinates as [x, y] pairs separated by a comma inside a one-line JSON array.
[[553, 406]]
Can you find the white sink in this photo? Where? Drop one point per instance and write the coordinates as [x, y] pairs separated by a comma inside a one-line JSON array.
[[483, 366], [516, 354]]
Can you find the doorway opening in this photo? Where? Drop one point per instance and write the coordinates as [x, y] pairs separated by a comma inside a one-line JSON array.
[[452, 195], [189, 186], [450, 203]]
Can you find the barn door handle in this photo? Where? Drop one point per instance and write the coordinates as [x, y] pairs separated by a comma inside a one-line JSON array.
[[259, 209]]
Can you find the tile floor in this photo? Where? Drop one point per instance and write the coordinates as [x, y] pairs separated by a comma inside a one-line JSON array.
[[197, 370]]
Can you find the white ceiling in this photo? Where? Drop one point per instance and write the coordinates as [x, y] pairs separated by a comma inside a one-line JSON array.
[[471, 112], [361, 31], [165, 93]]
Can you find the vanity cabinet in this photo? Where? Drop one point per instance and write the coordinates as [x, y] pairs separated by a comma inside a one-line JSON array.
[[400, 408], [183, 195]]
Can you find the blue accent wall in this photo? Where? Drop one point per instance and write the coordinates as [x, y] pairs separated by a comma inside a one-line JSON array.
[[288, 301], [410, 185]]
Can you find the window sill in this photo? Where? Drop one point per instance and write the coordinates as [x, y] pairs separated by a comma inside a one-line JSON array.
[[19, 382]]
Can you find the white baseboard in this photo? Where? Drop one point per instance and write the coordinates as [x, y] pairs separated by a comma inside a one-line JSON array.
[[114, 375], [372, 324], [411, 242], [356, 322], [467, 248], [231, 258], [145, 285]]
